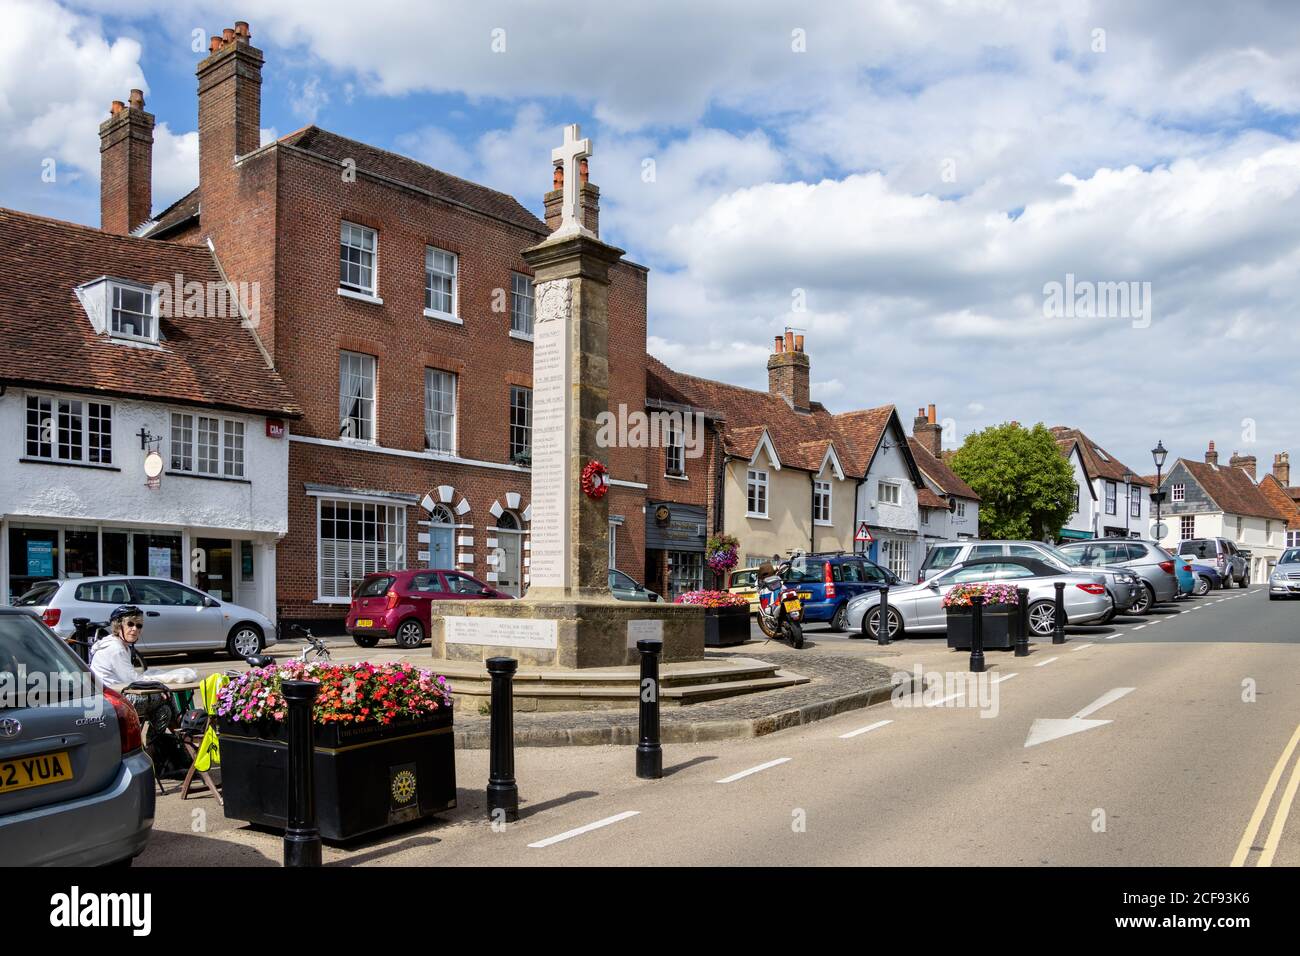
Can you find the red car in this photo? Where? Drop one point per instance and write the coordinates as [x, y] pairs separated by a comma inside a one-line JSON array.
[[396, 603]]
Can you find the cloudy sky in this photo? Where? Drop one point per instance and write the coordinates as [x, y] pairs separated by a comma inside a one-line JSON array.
[[901, 181]]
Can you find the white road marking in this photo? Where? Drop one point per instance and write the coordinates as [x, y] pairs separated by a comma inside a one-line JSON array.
[[865, 730], [1001, 677], [1081, 647], [569, 834], [1046, 662], [1111, 637], [763, 766], [1044, 729], [1139, 627], [1107, 698]]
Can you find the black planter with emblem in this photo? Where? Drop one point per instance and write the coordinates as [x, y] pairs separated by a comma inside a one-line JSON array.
[[368, 776], [726, 626], [1001, 626]]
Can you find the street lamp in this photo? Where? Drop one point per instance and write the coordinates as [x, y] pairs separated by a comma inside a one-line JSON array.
[[1128, 502], [1158, 455]]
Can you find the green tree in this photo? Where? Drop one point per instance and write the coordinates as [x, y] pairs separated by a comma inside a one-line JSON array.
[[1026, 486]]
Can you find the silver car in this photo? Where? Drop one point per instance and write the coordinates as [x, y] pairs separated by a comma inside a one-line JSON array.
[[918, 608], [1284, 581], [76, 788], [177, 618], [1147, 559]]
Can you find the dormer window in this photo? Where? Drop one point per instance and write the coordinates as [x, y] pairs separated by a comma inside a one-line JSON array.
[[131, 315]]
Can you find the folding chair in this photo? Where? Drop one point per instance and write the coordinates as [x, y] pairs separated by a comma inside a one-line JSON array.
[[199, 737]]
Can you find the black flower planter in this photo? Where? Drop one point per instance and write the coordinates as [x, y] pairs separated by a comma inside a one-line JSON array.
[[367, 776], [726, 626], [1001, 627]]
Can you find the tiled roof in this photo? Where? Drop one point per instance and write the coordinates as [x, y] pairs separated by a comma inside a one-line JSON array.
[[928, 499], [1093, 463], [49, 340], [864, 429], [178, 213], [800, 439], [414, 173], [939, 472], [1280, 498], [1232, 490]]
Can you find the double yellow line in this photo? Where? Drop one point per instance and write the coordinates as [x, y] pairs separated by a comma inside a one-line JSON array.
[[1261, 808]]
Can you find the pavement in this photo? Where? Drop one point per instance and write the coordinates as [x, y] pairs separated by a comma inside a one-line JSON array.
[[1158, 741]]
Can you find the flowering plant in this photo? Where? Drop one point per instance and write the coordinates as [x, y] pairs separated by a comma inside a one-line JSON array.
[[711, 599], [993, 594], [720, 552], [361, 693]]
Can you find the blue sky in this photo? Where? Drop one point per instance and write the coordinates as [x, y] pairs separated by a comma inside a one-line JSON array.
[[916, 172]]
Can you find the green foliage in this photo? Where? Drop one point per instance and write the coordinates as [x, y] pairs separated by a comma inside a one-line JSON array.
[[1026, 486]]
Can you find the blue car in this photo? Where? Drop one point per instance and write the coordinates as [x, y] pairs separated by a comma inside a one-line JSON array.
[[827, 582], [1186, 577], [1208, 578]]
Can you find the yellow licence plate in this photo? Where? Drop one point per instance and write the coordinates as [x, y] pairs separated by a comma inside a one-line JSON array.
[[365, 622], [35, 771], [792, 606], [805, 595], [749, 595]]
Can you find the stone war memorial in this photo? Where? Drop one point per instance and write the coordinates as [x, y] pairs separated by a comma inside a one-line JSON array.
[[569, 631]]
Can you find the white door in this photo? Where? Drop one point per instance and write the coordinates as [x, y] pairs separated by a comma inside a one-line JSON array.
[[509, 554]]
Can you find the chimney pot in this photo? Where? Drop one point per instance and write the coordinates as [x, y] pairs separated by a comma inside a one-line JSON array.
[[228, 35], [214, 44], [789, 341], [137, 100], [116, 107], [241, 29], [779, 344], [557, 177], [930, 414], [798, 343], [583, 171]]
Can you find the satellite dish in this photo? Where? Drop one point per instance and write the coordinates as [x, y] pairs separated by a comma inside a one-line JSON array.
[[153, 465]]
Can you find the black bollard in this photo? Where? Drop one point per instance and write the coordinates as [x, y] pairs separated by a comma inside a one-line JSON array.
[[882, 629], [81, 638], [1058, 624], [1022, 611], [301, 835], [649, 752], [977, 634], [502, 791]]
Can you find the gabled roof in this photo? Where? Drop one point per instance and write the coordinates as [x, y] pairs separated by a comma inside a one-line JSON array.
[[937, 470], [1097, 462], [1230, 489], [177, 214], [403, 169], [49, 340], [928, 499], [800, 439], [1280, 498]]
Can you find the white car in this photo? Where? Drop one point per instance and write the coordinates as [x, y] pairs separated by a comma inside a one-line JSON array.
[[177, 618]]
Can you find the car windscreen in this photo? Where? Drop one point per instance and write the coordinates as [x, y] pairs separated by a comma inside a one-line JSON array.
[[36, 667], [743, 579], [1290, 556], [805, 572], [941, 557], [1199, 547]]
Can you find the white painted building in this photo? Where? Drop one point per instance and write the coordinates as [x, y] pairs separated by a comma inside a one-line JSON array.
[[1111, 500]]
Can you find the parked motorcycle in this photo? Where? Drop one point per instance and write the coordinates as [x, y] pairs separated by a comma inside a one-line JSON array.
[[779, 609]]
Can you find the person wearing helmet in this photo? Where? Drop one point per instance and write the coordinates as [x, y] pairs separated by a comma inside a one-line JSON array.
[[116, 661]]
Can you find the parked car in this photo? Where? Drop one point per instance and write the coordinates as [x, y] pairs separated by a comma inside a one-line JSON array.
[[626, 589], [1231, 562], [1121, 584], [1150, 562], [1208, 578], [744, 581], [918, 608], [396, 603], [1185, 575], [76, 788], [177, 618], [1284, 581], [827, 582]]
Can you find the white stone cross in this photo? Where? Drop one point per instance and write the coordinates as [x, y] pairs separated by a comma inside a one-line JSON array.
[[571, 154]]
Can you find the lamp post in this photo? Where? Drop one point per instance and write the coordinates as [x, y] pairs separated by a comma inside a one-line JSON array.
[[1128, 503], [1158, 455]]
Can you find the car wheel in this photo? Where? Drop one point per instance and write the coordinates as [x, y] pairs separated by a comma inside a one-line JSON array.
[[1202, 586], [245, 640], [1108, 616], [1145, 598], [365, 640], [1245, 582], [840, 617], [409, 634], [871, 624], [1042, 618]]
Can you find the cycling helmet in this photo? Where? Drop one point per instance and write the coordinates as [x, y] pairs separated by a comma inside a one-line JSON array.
[[124, 610]]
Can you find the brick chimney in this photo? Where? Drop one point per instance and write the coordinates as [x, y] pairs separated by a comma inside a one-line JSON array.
[[927, 432], [1282, 468], [1243, 461], [126, 166], [230, 109], [787, 371], [588, 199], [1211, 456]]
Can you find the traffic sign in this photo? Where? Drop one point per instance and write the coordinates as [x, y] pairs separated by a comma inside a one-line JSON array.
[[864, 534]]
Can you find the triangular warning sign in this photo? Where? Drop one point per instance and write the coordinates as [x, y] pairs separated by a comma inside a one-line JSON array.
[[864, 534]]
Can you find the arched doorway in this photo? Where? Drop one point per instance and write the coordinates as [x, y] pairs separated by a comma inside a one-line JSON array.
[[509, 566], [441, 538]]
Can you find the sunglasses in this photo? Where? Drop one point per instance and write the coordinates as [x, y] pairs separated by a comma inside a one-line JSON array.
[[135, 624]]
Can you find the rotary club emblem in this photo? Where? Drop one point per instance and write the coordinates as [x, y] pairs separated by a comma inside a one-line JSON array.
[[403, 786]]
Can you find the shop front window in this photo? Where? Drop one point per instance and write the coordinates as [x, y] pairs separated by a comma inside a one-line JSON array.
[[687, 573], [33, 557], [156, 554]]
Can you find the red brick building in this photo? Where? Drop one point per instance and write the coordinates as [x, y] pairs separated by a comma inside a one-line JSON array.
[[395, 304]]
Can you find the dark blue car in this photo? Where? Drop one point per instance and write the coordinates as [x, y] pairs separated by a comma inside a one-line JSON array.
[[827, 582]]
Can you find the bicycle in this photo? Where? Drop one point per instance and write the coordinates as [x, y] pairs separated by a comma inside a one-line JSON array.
[[315, 649]]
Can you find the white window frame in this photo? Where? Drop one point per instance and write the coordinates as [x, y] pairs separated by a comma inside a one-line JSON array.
[[1135, 501], [225, 465], [527, 426], [1293, 539], [368, 363], [528, 309], [895, 496], [1112, 498], [896, 555], [822, 495], [346, 241], [396, 521], [1186, 527], [52, 423], [674, 453], [115, 288], [429, 374], [961, 507], [1178, 492], [430, 255], [756, 489]]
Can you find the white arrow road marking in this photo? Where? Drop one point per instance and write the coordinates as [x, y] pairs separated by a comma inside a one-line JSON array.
[[568, 834], [763, 766], [865, 730], [1046, 728], [1046, 662]]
